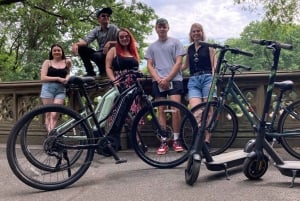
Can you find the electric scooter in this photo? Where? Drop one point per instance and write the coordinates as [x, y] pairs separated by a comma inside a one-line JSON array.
[[200, 150], [256, 163]]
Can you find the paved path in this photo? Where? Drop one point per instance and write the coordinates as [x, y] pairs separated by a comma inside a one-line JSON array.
[[137, 181]]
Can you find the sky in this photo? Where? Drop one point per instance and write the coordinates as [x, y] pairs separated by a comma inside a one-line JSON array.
[[221, 19]]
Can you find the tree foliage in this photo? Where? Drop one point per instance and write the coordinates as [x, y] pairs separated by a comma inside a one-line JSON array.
[[276, 11], [29, 28], [284, 33]]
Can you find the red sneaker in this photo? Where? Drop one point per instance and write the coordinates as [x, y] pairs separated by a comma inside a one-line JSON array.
[[162, 149], [177, 146]]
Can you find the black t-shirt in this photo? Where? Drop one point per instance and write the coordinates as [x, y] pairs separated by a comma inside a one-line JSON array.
[[200, 60]]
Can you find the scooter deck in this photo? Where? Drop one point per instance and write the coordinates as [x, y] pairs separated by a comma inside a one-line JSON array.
[[226, 160], [289, 168]]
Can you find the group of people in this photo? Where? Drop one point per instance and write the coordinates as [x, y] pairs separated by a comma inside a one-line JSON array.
[[118, 52]]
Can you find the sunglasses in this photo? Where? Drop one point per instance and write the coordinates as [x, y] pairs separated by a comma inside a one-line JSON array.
[[104, 16], [196, 59], [124, 37]]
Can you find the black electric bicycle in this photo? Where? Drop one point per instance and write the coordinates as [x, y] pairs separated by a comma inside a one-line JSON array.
[[55, 159]]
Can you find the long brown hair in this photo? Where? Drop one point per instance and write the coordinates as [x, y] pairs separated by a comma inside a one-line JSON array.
[[131, 46], [63, 56]]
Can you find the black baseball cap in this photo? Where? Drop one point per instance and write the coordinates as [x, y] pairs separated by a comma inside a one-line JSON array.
[[104, 10]]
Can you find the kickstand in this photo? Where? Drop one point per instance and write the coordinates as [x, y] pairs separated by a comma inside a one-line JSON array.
[[66, 157], [114, 154], [293, 179], [226, 171]]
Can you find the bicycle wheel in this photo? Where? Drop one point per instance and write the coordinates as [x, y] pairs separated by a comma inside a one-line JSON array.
[[145, 132], [42, 160], [289, 122], [223, 126]]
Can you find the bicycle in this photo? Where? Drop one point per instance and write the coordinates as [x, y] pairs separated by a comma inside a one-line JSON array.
[[223, 122], [56, 159]]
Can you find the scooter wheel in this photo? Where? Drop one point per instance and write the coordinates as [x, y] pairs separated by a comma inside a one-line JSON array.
[[192, 169], [255, 168]]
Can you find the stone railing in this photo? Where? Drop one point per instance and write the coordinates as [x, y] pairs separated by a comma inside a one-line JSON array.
[[16, 98]]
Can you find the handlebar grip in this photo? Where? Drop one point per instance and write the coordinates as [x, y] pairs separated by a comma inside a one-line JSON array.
[[260, 42], [237, 67], [233, 50], [247, 68], [269, 42], [248, 54], [286, 46], [211, 45]]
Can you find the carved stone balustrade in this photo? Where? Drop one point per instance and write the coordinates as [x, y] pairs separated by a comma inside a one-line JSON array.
[[16, 98]]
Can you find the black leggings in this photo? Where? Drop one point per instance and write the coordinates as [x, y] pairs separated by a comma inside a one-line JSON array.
[[87, 55]]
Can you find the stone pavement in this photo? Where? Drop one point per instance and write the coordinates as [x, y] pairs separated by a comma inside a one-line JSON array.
[[137, 181]]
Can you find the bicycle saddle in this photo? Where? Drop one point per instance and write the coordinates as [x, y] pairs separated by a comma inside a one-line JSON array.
[[77, 80], [284, 85]]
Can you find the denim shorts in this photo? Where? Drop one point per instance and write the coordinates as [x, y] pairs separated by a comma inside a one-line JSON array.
[[199, 86], [53, 90], [176, 90]]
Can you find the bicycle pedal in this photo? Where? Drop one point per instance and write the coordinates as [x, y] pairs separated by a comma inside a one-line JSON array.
[[121, 161]]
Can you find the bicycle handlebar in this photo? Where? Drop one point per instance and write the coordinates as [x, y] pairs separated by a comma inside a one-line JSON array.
[[135, 72], [213, 45], [236, 67], [272, 43], [227, 48]]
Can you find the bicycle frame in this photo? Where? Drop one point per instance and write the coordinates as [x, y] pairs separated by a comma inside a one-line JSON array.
[[250, 113], [122, 102], [261, 142], [102, 109]]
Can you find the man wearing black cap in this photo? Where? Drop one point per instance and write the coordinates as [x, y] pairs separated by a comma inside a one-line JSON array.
[[106, 36]]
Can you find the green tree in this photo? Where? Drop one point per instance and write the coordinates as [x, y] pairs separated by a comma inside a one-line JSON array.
[[278, 11], [285, 33], [29, 28]]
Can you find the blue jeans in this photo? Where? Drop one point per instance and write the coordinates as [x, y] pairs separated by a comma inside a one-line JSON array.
[[199, 86], [53, 90]]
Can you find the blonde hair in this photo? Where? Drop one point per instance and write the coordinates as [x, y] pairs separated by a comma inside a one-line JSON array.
[[199, 26]]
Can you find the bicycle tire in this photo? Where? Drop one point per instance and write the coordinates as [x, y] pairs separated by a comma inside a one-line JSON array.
[[144, 132], [288, 122], [222, 135], [31, 158], [33, 154], [192, 170]]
